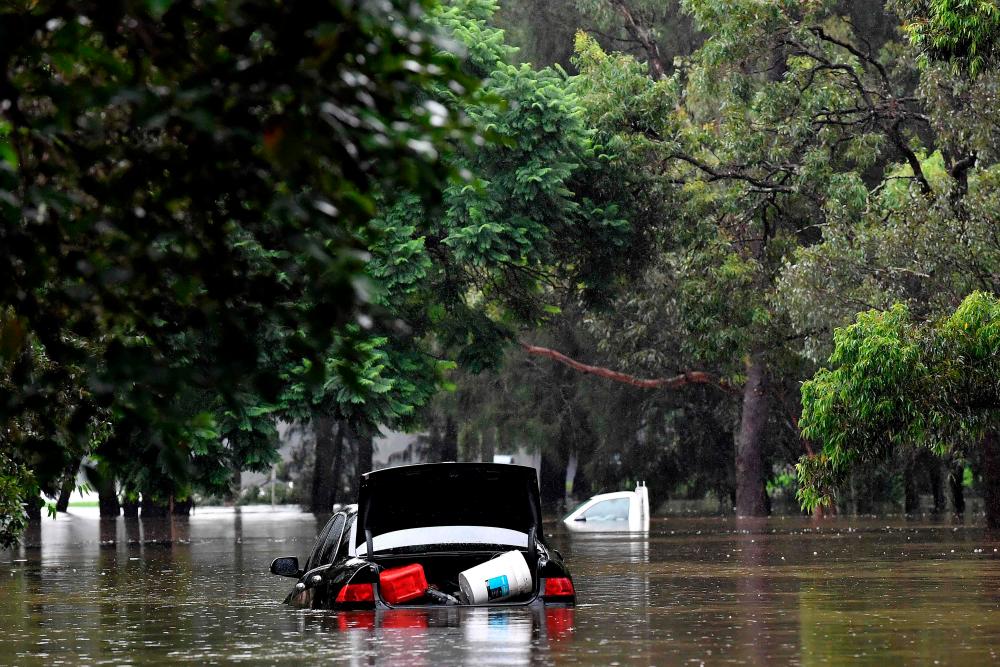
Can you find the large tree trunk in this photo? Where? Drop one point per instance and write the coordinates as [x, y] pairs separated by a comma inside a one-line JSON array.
[[33, 509], [936, 480], [449, 446], [102, 481], [338, 462], [750, 491], [956, 474], [323, 482], [130, 507], [65, 491], [182, 507], [235, 487], [911, 498], [366, 452], [488, 445], [154, 508], [430, 445], [130, 503], [991, 478], [107, 498]]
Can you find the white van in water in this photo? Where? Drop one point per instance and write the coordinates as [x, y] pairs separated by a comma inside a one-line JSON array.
[[619, 511]]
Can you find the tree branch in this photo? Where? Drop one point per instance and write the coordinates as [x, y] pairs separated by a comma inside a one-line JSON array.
[[819, 32], [960, 172], [675, 382], [642, 34], [719, 175], [911, 157]]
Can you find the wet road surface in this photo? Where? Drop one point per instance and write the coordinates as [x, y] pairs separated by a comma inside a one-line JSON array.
[[695, 590]]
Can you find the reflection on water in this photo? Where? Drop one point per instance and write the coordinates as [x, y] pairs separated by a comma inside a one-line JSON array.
[[446, 634], [85, 591]]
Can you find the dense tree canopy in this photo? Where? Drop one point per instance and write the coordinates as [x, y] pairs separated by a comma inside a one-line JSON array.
[[896, 382], [220, 214], [185, 188]]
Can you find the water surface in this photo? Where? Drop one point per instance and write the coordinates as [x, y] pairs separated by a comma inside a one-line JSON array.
[[695, 590]]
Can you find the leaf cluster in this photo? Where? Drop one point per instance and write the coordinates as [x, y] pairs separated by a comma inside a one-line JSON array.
[[895, 381]]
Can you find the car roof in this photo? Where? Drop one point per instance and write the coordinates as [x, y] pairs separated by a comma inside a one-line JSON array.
[[610, 496]]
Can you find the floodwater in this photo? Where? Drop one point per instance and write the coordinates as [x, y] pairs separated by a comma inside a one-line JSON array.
[[694, 591]]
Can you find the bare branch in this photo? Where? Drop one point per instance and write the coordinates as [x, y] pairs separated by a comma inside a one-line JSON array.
[[911, 157], [960, 172], [819, 32], [718, 175], [675, 382]]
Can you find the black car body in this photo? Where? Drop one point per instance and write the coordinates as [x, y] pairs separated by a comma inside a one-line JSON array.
[[447, 517]]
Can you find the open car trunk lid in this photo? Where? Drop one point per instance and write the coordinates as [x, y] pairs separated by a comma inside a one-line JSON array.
[[456, 504]]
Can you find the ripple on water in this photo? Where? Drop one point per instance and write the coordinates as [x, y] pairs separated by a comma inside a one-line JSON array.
[[695, 589]]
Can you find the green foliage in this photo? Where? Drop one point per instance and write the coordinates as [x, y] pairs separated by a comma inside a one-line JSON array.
[[217, 214], [897, 382], [530, 218], [184, 189], [747, 149], [368, 381], [16, 485], [964, 32], [783, 482]]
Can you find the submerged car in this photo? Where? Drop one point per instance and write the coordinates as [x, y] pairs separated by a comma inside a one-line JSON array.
[[618, 511], [455, 534]]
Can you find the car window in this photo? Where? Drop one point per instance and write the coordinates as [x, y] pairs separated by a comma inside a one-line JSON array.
[[615, 509], [327, 542], [344, 545]]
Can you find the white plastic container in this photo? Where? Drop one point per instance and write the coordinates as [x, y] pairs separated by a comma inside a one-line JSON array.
[[496, 580]]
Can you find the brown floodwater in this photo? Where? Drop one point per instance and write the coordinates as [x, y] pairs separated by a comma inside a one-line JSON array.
[[695, 590]]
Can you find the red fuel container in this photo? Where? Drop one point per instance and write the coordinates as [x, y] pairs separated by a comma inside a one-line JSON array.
[[402, 584]]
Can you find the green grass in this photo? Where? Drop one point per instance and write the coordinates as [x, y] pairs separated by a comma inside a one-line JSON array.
[[83, 503]]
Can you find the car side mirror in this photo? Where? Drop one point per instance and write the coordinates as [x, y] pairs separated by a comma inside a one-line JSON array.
[[580, 518], [287, 566]]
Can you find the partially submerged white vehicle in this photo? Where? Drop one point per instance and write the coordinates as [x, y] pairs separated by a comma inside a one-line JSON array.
[[619, 511]]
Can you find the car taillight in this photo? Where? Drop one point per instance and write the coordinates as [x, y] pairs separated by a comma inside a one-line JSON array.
[[356, 593], [558, 587]]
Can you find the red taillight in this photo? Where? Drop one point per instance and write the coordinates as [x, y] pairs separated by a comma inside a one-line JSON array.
[[356, 593], [559, 587]]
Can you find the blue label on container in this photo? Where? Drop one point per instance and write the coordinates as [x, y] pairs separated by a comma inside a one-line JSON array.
[[497, 587]]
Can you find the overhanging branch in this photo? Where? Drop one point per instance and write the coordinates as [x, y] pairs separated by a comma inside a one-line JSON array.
[[674, 382]]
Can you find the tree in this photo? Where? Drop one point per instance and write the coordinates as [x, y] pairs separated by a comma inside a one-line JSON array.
[[809, 113], [458, 283], [147, 151], [923, 247], [370, 383], [898, 382], [531, 222]]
